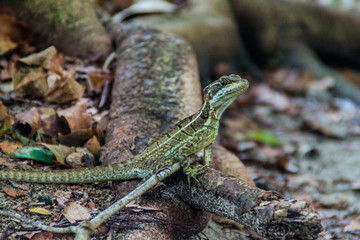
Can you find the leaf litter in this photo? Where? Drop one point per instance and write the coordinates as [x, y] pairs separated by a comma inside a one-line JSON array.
[[50, 113], [317, 160]]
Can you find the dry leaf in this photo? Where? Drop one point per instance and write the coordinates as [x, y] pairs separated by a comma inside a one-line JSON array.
[[299, 82], [30, 73], [5, 73], [60, 151], [76, 116], [40, 210], [77, 138], [279, 101], [353, 226], [325, 123], [6, 120], [29, 121], [65, 89], [62, 197], [51, 124], [6, 45], [15, 193], [46, 59], [98, 81], [9, 147], [92, 205], [52, 236], [29, 80], [322, 84], [274, 156], [240, 123], [93, 146], [75, 212]]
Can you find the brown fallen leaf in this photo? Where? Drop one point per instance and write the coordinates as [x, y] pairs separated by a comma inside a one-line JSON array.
[[92, 205], [46, 59], [322, 123], [6, 44], [274, 156], [60, 151], [77, 138], [279, 101], [5, 73], [354, 226], [97, 80], [6, 121], [15, 193], [93, 146], [51, 125], [76, 116], [52, 236], [75, 212], [30, 74], [298, 82], [9, 147], [28, 122], [322, 84], [290, 80], [64, 89], [240, 123]]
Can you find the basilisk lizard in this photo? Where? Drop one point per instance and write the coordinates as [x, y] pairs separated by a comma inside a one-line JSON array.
[[185, 138]]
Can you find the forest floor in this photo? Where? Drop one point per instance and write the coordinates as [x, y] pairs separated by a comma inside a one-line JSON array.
[[317, 159]]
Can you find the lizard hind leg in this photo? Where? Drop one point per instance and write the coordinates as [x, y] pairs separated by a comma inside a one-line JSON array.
[[158, 168]]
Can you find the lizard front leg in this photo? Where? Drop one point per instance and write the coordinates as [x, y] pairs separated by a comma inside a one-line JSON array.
[[198, 169]]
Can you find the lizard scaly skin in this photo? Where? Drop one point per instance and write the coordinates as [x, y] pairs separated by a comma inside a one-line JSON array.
[[185, 138]]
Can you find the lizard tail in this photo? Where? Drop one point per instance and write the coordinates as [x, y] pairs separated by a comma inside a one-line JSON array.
[[118, 171]]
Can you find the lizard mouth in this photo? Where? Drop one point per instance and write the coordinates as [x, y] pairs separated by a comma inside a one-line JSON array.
[[236, 91]]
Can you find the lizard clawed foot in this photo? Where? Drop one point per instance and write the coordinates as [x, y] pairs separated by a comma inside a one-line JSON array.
[[192, 173]]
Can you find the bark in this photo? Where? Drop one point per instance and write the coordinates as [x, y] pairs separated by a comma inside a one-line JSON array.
[[264, 212], [267, 24], [210, 27], [70, 25], [270, 29], [156, 84]]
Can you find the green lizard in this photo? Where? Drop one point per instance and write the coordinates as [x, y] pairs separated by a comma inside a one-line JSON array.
[[185, 138]]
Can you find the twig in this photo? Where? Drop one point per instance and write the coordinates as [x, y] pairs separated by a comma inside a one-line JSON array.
[[38, 224], [85, 229]]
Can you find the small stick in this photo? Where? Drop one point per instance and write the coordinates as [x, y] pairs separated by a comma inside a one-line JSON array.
[[84, 230]]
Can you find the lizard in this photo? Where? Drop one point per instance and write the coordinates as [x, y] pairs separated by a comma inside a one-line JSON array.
[[187, 137]]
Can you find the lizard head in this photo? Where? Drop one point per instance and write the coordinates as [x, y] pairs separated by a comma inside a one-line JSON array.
[[224, 91]]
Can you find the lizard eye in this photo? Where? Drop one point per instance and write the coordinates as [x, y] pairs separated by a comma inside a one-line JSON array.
[[223, 83]]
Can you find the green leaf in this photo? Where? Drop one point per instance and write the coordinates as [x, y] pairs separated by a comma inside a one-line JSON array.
[[263, 137], [24, 140], [35, 153]]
